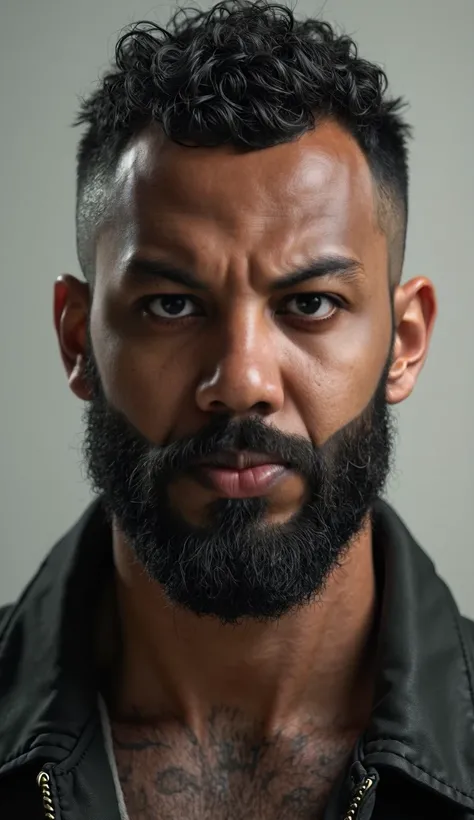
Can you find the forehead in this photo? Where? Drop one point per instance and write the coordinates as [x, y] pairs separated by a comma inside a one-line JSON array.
[[312, 196]]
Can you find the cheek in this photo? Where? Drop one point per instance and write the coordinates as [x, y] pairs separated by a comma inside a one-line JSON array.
[[334, 384], [147, 383]]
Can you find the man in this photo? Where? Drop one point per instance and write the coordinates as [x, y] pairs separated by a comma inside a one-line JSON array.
[[239, 627]]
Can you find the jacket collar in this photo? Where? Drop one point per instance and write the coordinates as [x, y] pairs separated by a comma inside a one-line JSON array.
[[48, 682], [423, 719]]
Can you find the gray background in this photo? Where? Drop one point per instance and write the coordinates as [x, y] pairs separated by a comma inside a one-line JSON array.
[[51, 51]]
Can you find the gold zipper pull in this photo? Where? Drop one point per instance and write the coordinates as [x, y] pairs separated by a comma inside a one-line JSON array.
[[43, 781], [358, 796]]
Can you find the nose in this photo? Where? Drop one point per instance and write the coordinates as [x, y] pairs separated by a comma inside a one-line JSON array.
[[243, 375]]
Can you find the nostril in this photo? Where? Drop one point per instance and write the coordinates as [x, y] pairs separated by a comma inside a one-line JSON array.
[[219, 406], [263, 408]]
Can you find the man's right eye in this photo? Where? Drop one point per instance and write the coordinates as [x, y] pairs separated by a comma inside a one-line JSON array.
[[171, 307]]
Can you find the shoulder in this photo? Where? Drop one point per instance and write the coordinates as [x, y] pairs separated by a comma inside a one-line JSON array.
[[467, 627], [4, 612], [467, 635]]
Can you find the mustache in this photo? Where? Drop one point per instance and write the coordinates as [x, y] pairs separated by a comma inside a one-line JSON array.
[[224, 435]]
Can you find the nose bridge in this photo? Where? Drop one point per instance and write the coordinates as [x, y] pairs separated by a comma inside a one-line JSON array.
[[245, 329], [243, 369]]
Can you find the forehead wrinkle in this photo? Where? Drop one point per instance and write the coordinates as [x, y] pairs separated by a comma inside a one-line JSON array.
[[170, 225]]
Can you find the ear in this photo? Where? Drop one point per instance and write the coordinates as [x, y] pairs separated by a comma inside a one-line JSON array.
[[71, 311], [415, 313]]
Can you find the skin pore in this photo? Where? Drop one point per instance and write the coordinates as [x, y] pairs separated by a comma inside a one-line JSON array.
[[254, 719]]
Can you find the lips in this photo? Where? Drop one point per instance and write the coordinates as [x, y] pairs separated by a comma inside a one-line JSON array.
[[239, 460], [240, 474]]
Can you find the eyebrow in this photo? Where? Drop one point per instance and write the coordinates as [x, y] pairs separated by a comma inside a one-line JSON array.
[[342, 267], [336, 265]]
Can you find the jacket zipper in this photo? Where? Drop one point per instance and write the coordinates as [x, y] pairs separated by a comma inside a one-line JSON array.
[[357, 798], [43, 781]]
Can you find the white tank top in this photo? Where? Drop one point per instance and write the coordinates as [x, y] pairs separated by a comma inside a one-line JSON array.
[[109, 748]]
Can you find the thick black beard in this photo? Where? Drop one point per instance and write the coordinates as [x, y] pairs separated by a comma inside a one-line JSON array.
[[238, 566]]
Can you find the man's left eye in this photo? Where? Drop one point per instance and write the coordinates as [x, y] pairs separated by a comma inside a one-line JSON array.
[[311, 305]]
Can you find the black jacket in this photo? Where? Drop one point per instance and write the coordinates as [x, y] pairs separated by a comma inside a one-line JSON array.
[[415, 760]]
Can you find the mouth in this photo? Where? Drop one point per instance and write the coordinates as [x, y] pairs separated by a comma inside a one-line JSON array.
[[240, 474], [239, 460]]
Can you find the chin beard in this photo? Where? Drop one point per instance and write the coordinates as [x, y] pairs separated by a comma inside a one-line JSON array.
[[238, 566]]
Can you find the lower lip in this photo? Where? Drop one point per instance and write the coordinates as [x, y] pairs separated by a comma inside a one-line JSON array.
[[248, 483]]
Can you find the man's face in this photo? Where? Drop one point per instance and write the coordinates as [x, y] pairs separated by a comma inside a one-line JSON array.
[[202, 348]]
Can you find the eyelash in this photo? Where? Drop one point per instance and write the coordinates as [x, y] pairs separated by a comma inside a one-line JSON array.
[[337, 302]]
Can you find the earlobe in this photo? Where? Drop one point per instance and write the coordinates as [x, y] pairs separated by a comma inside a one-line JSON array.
[[71, 311], [415, 314], [77, 380]]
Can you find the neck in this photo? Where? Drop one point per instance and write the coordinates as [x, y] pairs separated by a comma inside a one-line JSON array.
[[316, 661]]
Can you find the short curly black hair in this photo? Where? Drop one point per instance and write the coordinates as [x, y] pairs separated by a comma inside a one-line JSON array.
[[246, 74]]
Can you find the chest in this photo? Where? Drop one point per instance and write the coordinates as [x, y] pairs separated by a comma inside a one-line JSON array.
[[169, 775]]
